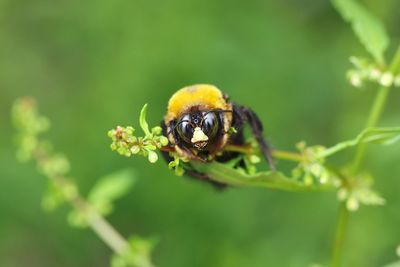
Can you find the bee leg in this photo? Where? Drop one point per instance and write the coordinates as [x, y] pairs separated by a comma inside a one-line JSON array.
[[247, 115]]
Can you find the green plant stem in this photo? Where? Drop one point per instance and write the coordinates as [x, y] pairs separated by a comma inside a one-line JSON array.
[[245, 149], [99, 224], [270, 180], [104, 229], [373, 119], [341, 228], [279, 154], [287, 155], [376, 112]]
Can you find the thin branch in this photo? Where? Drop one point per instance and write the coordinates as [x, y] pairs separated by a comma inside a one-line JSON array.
[[373, 119], [111, 237], [341, 228], [276, 153], [376, 112]]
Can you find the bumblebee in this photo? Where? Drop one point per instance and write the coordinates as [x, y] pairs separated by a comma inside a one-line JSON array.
[[201, 121]]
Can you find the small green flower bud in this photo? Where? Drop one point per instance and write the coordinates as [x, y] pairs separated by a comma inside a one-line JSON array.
[[150, 147], [297, 172], [163, 140], [113, 146], [172, 164], [337, 182], [130, 130], [131, 139], [70, 191], [342, 194], [179, 171], [397, 81], [324, 178], [156, 130], [355, 78], [153, 157], [135, 149], [316, 169], [308, 180], [352, 204], [375, 74], [123, 151], [254, 159], [386, 79], [111, 133]]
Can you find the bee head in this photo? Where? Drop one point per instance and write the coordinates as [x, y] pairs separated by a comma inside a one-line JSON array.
[[199, 129]]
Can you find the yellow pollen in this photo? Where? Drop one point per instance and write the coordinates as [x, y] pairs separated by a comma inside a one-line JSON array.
[[198, 136]]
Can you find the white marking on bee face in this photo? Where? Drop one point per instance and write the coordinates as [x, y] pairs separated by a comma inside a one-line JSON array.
[[198, 136]]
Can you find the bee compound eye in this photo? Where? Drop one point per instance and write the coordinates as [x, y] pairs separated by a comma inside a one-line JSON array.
[[185, 129], [210, 124]]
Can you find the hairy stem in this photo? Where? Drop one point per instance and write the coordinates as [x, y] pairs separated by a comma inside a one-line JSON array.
[[373, 119]]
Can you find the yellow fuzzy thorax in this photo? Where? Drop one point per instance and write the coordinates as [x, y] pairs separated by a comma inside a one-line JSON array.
[[205, 95]]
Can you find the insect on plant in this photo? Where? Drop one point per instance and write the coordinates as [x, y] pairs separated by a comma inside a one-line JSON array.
[[202, 125], [202, 136]]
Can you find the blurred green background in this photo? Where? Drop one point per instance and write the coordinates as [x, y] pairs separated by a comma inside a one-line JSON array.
[[93, 64]]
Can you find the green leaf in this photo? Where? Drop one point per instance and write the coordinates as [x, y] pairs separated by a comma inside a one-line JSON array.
[[368, 28], [275, 180], [110, 188], [383, 135], [142, 120]]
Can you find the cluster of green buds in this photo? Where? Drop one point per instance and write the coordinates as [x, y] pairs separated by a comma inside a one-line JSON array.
[[177, 164], [248, 155], [365, 70], [358, 190], [353, 190], [127, 144], [311, 169], [61, 189], [251, 159], [29, 125], [250, 162]]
